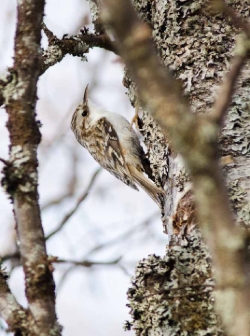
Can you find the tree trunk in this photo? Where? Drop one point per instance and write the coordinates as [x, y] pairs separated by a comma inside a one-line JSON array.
[[174, 294]]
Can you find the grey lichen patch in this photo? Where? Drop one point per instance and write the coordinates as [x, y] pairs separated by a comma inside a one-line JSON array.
[[57, 49], [80, 47], [95, 10], [244, 214], [15, 174], [14, 89], [235, 138], [181, 180], [239, 203], [157, 146], [52, 54], [39, 281], [19, 155], [56, 330], [4, 275], [173, 295], [194, 44]]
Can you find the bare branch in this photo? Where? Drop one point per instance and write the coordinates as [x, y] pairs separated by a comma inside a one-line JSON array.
[[123, 236], [78, 203], [64, 277], [11, 311], [77, 45], [57, 49], [88, 263], [3, 83], [101, 41], [72, 183], [20, 175], [15, 255], [4, 161]]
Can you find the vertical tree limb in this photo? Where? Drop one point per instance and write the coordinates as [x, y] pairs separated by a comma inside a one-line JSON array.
[[21, 172], [196, 139]]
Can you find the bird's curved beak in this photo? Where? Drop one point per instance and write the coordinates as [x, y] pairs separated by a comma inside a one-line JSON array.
[[86, 94]]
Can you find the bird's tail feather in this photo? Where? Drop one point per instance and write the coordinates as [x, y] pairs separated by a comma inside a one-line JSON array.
[[156, 193]]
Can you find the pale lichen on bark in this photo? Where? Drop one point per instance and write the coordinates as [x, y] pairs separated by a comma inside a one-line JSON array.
[[210, 42], [18, 319], [197, 47], [173, 295], [58, 48], [20, 171]]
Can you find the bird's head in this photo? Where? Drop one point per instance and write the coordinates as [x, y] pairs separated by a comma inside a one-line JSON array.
[[81, 114], [85, 116]]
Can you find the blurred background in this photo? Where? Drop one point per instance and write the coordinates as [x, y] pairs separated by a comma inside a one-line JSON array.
[[114, 226]]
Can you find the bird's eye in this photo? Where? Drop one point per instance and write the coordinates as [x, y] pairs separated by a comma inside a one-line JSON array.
[[84, 113]]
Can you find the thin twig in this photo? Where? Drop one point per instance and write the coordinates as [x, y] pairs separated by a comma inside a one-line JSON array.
[[101, 41], [88, 263], [78, 203], [6, 257], [48, 33], [4, 161], [123, 236], [64, 277], [72, 183]]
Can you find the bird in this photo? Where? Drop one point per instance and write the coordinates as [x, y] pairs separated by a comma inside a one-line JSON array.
[[114, 144]]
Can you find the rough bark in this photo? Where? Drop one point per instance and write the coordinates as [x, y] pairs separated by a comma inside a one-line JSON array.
[[18, 319], [197, 47], [20, 172], [172, 295], [77, 45]]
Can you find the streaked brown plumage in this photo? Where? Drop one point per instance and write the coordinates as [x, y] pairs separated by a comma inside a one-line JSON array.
[[112, 142]]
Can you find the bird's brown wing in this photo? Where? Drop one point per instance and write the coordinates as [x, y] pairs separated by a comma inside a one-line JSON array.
[[112, 159]]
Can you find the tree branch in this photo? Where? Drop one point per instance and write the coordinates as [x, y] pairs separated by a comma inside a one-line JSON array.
[[98, 40], [80, 200], [11, 311], [87, 263], [77, 45], [195, 138], [123, 236], [241, 54], [20, 176]]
